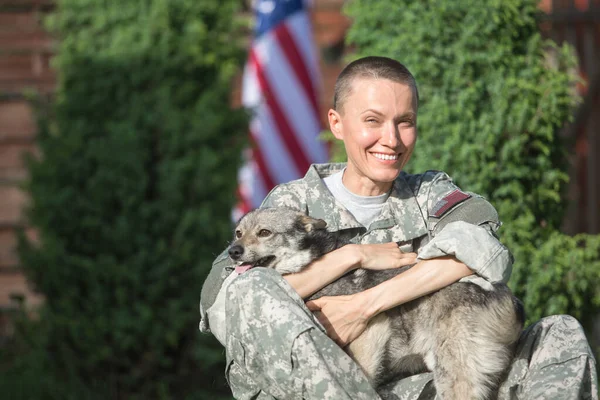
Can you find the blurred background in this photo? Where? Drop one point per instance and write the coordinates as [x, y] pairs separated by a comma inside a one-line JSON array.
[[124, 155]]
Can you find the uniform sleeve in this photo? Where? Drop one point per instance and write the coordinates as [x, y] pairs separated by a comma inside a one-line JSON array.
[[464, 225], [222, 267], [286, 196]]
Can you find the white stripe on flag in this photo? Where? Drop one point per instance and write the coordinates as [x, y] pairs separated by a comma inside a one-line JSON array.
[[251, 93], [277, 159]]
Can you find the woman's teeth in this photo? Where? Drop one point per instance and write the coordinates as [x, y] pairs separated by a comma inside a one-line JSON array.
[[386, 156]]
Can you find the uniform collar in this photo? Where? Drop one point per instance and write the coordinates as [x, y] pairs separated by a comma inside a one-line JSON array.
[[321, 203], [400, 210]]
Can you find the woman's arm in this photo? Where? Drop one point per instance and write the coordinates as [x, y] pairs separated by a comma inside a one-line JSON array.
[[323, 271], [338, 262], [425, 277], [346, 317]]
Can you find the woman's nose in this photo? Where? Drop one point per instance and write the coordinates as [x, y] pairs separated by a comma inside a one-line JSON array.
[[391, 136]]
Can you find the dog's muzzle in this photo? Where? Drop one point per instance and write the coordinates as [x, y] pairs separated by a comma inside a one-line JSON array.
[[235, 252]]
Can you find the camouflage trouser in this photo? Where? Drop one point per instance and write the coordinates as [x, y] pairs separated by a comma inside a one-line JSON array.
[[276, 349]]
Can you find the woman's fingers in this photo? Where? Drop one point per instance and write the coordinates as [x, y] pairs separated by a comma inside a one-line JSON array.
[[408, 258], [341, 316], [314, 305], [385, 256]]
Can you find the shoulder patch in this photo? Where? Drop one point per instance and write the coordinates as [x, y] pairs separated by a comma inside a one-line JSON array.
[[449, 201]]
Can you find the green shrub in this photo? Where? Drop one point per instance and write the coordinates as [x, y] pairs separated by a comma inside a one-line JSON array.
[[493, 98], [139, 163]]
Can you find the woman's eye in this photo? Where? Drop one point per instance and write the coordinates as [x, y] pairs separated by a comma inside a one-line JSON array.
[[238, 234], [264, 233]]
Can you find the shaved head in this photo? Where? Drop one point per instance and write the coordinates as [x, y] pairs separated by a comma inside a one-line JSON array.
[[370, 68]]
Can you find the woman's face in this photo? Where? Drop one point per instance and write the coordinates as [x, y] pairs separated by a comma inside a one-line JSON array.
[[378, 124]]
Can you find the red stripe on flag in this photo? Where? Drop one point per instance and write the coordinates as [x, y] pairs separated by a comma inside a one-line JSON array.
[[287, 134], [257, 155], [288, 45]]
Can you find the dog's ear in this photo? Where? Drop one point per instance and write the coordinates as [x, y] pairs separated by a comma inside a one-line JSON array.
[[310, 223]]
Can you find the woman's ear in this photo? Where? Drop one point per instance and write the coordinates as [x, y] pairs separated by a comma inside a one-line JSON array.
[[335, 123]]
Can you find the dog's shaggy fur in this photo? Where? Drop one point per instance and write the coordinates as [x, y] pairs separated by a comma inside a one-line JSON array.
[[462, 333]]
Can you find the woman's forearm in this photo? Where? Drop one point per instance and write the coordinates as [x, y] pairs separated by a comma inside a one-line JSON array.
[[324, 271], [425, 277]]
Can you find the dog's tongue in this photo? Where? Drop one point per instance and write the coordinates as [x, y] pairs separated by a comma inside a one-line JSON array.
[[240, 269]]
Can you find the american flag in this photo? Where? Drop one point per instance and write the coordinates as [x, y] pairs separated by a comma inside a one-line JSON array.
[[280, 85]]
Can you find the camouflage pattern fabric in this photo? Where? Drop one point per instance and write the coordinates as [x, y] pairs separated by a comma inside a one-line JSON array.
[[277, 349]]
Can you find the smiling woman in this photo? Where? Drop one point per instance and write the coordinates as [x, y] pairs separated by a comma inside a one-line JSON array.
[[374, 115], [277, 348], [379, 132]]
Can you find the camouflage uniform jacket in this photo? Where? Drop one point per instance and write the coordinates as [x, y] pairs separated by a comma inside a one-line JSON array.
[[425, 213]]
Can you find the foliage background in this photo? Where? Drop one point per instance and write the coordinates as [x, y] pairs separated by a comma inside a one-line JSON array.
[[139, 161], [140, 154], [493, 99]]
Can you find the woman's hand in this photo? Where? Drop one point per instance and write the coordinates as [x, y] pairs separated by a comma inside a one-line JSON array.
[[345, 317], [342, 316], [383, 256]]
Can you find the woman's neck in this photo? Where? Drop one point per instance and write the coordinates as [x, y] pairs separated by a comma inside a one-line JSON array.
[[363, 186]]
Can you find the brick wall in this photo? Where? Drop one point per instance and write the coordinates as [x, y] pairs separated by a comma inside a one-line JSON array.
[[25, 51]]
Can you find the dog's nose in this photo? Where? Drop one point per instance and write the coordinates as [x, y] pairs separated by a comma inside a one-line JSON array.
[[236, 252]]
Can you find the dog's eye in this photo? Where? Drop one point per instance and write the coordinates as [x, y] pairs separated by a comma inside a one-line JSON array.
[[264, 233], [238, 234]]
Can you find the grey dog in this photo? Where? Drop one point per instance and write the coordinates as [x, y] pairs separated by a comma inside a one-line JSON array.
[[463, 333]]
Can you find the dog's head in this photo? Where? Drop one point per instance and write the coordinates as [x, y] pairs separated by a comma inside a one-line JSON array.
[[279, 238]]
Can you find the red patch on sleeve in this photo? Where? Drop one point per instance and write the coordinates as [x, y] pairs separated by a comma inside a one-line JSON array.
[[449, 201]]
